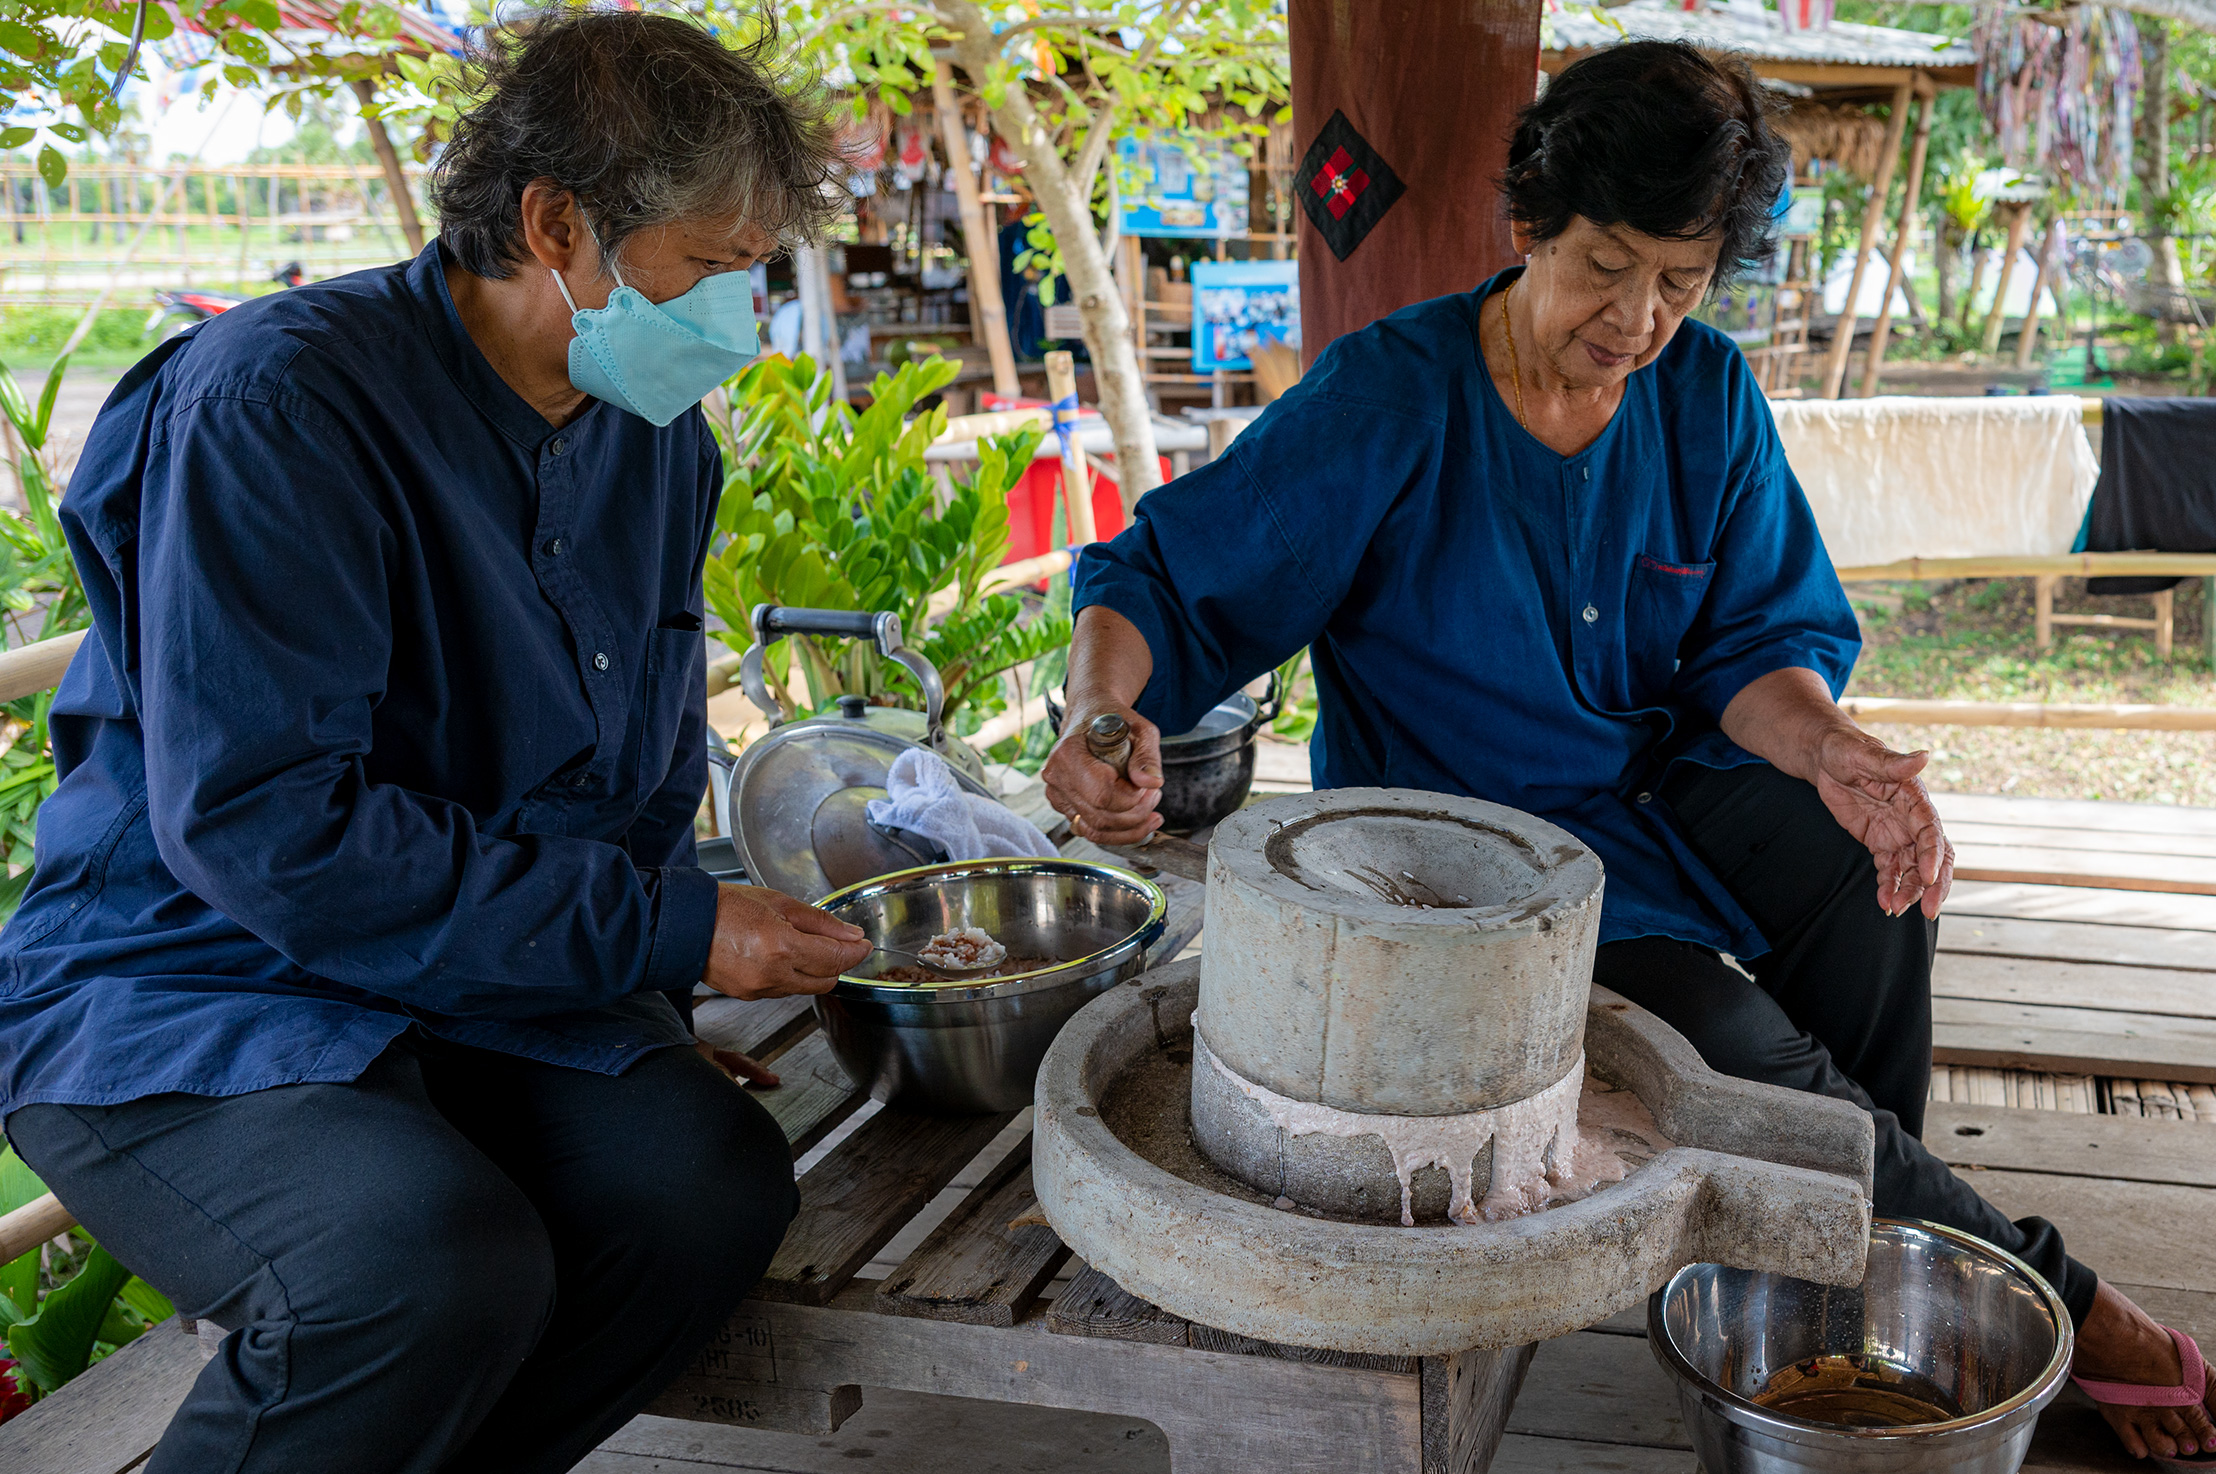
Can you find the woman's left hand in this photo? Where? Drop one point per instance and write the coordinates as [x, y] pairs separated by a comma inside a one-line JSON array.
[[1876, 796], [1788, 718], [738, 1066]]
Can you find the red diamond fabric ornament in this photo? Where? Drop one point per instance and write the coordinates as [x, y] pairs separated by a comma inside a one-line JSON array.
[[1349, 187]]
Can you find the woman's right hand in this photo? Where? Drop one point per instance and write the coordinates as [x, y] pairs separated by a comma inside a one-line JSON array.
[[1101, 804], [768, 945]]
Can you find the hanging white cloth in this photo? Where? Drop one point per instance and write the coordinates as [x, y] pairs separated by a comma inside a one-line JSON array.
[[1896, 477]]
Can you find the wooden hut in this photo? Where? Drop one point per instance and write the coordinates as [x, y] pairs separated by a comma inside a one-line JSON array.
[[1827, 77]]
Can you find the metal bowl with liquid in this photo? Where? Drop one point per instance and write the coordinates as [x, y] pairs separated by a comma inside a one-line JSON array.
[[1940, 1360], [963, 1047]]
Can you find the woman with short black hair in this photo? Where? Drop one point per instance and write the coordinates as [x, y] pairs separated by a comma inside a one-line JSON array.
[[348, 1003], [1543, 547]]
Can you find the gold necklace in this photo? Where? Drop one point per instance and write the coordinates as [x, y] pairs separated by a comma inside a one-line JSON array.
[[1515, 368]]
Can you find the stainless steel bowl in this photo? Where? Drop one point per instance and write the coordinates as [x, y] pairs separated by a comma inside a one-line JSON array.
[[1941, 1318], [960, 1049]]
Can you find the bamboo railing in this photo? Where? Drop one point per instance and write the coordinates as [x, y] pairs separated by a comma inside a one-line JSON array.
[[25, 672]]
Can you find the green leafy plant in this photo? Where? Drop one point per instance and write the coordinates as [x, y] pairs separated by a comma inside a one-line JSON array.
[[63, 1310], [825, 507], [1296, 713], [59, 59], [42, 597]]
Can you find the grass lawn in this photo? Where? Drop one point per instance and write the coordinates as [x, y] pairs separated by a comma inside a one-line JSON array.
[[1972, 641]]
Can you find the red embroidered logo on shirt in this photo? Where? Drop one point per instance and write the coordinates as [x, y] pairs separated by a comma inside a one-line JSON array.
[[1677, 568]]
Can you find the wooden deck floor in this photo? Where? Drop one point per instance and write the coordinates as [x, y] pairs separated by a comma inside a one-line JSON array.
[[2036, 981], [2075, 1038]]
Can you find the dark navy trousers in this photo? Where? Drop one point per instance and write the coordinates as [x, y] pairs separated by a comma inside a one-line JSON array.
[[1839, 1006], [462, 1260]]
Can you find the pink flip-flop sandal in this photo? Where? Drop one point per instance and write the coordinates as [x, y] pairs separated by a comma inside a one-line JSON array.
[[2191, 1388]]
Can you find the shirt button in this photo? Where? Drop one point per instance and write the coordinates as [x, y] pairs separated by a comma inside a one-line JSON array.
[[1646, 798], [1591, 614], [559, 445], [600, 661], [554, 548], [1585, 473]]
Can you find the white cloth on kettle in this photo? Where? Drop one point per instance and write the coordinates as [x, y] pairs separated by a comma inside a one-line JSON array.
[[1901, 477], [922, 795]]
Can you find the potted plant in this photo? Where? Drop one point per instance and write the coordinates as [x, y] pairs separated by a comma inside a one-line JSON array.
[[826, 507]]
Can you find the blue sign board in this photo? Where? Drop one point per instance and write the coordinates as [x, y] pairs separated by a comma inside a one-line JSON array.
[[1239, 305], [1184, 187]]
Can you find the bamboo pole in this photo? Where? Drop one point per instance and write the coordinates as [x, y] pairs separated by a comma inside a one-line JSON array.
[[2054, 714], [2028, 335], [31, 1225], [988, 314], [396, 177], [2019, 216], [246, 221], [1077, 479], [1842, 329], [1896, 280], [2073, 565], [29, 669]]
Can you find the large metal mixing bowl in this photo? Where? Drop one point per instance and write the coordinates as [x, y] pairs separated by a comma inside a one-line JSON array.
[[964, 1048], [1941, 1319]]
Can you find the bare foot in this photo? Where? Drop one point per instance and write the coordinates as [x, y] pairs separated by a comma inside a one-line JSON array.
[[2119, 1342]]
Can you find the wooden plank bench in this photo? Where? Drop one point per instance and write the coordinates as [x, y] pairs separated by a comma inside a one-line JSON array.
[[2012, 988], [964, 1314], [1597, 1400]]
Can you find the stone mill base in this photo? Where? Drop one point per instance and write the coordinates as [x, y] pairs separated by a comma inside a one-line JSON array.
[[1760, 1178]]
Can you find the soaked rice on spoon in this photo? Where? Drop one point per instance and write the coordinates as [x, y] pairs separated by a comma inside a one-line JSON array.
[[963, 949]]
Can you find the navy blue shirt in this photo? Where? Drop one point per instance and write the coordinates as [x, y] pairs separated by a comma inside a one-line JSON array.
[[393, 714], [1486, 617]]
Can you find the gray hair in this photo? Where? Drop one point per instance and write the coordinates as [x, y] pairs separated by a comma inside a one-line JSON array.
[[645, 119]]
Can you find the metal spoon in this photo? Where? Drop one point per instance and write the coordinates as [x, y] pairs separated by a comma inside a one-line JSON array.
[[945, 969]]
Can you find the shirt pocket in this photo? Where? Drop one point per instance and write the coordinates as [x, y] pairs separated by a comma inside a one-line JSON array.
[[1665, 600], [672, 650]]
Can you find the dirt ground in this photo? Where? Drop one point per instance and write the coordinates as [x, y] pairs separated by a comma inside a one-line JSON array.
[[1973, 641]]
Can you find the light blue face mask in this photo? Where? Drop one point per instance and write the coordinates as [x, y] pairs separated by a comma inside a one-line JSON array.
[[657, 361]]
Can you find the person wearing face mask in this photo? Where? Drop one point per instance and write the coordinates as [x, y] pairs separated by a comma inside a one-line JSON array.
[[348, 1002], [1543, 547]]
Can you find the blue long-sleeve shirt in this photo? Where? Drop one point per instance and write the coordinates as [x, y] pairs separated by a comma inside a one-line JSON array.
[[393, 714], [1485, 616]]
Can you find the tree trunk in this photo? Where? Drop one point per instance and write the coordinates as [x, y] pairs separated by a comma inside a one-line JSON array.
[[396, 177], [1943, 259], [1066, 201], [2151, 163]]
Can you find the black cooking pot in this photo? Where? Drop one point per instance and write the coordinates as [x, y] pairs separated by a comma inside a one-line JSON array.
[[1208, 772]]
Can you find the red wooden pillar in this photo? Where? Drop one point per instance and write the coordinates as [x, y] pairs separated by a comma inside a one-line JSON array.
[[1433, 87]]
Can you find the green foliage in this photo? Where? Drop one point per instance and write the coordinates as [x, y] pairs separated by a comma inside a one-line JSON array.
[[1296, 713], [1954, 190], [38, 330], [43, 597], [60, 1317], [827, 508], [59, 58], [1196, 68]]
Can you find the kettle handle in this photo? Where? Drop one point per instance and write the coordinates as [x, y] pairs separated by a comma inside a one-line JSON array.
[[1272, 702], [722, 767], [772, 622]]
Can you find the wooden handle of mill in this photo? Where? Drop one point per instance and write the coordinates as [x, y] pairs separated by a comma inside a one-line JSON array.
[[1108, 739]]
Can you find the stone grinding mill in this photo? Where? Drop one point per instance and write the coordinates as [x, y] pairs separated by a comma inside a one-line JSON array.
[[1388, 1112]]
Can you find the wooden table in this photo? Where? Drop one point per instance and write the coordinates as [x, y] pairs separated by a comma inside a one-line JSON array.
[[962, 1314]]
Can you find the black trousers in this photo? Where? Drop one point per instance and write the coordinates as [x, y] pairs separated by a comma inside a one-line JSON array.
[[461, 1261], [1839, 1006]]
